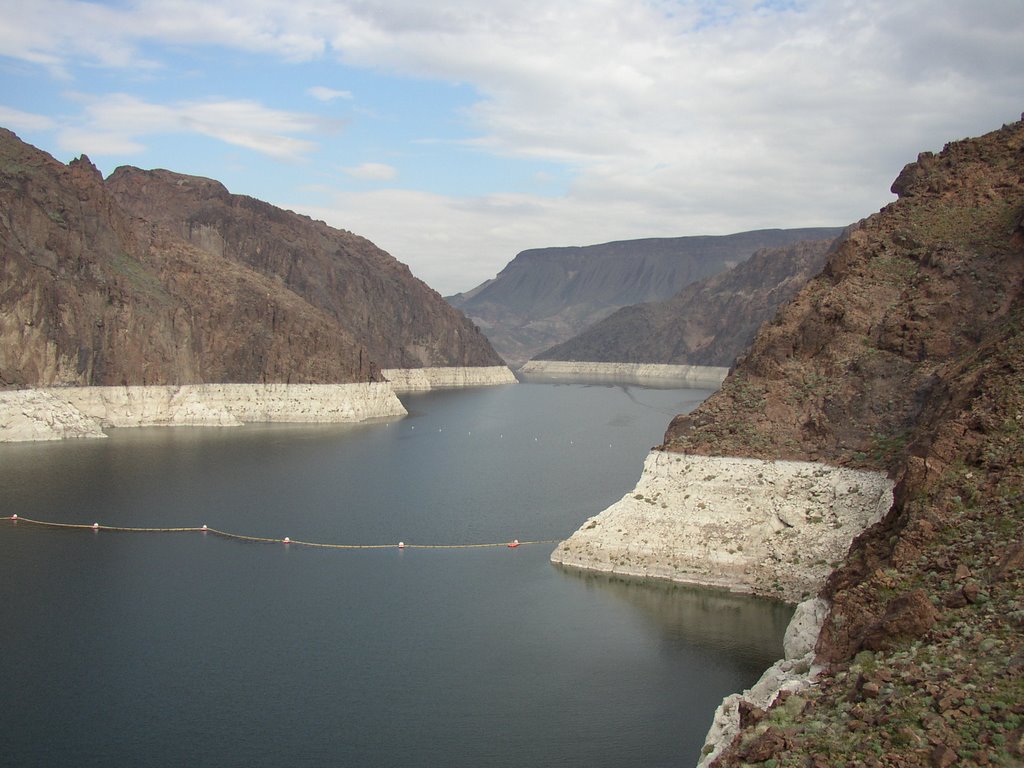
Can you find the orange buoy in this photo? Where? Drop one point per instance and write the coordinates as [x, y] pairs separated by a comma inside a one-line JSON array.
[[513, 544]]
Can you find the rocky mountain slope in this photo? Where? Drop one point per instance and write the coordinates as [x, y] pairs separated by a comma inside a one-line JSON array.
[[907, 355], [710, 322], [154, 277], [545, 296]]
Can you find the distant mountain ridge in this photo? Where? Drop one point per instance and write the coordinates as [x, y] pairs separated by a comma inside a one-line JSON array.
[[153, 277], [545, 296], [708, 323]]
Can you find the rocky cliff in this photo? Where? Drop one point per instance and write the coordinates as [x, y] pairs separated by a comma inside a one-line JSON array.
[[709, 322], [905, 355], [159, 278], [547, 295]]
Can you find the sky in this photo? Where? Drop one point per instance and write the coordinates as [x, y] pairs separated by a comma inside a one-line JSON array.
[[456, 134]]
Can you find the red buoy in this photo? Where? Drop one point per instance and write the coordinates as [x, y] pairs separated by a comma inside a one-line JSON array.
[[513, 544]]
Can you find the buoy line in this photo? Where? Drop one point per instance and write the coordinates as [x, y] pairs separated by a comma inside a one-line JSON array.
[[266, 540]]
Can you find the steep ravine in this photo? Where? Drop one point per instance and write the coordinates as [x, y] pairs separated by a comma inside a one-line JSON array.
[[903, 359]]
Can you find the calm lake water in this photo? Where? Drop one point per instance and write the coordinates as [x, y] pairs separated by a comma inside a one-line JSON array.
[[190, 649]]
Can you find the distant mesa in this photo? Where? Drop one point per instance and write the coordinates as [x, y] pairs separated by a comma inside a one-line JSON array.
[[709, 323], [546, 296]]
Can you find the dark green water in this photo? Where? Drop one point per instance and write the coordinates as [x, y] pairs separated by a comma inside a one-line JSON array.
[[185, 649]]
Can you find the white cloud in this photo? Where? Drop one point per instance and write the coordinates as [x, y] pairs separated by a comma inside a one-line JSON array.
[[17, 120], [114, 124], [372, 172], [322, 93], [673, 116]]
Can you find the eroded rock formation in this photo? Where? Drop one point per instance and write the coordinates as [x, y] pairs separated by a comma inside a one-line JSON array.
[[158, 278]]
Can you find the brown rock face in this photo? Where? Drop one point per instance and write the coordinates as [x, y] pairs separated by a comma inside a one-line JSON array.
[[907, 355], [843, 372], [399, 320], [152, 278], [906, 617]]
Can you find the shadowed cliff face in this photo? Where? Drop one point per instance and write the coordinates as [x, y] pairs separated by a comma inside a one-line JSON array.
[[906, 355], [94, 292], [399, 320]]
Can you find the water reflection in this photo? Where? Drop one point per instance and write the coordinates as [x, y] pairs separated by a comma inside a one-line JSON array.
[[747, 628]]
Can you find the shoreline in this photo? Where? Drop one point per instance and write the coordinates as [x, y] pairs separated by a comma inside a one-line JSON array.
[[649, 374], [61, 413], [774, 529], [768, 528], [406, 380]]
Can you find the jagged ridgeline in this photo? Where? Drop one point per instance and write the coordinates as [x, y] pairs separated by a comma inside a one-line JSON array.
[[153, 277], [843, 372], [905, 355]]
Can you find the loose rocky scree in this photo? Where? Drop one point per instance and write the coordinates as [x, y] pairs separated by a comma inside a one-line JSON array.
[[907, 355]]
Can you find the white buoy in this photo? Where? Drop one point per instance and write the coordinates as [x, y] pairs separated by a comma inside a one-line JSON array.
[[14, 517], [287, 540], [95, 526], [401, 545], [204, 527]]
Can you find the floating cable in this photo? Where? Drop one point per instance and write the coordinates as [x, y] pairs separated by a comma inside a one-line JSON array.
[[267, 540]]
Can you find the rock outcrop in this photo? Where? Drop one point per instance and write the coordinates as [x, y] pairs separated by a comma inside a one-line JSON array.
[[545, 296], [158, 278], [708, 323], [906, 355], [771, 528]]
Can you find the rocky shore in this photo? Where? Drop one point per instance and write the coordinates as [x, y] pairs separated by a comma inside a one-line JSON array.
[[770, 528], [695, 376], [775, 529], [70, 412], [404, 380], [57, 413]]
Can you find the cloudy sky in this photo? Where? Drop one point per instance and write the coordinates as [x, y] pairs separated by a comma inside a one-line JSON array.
[[456, 133]]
